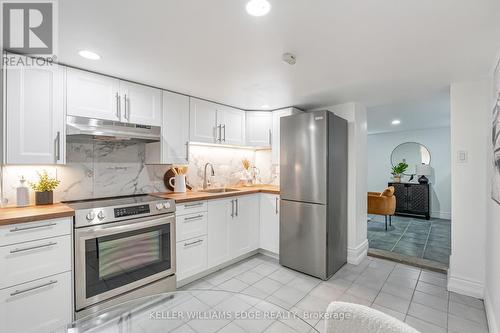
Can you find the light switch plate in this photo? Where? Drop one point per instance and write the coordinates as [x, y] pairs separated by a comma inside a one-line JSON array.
[[462, 156]]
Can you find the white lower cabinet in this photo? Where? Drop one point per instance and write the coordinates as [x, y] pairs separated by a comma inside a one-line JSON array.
[[219, 214], [33, 260], [269, 222], [42, 305], [191, 239], [35, 276], [244, 226], [191, 257]]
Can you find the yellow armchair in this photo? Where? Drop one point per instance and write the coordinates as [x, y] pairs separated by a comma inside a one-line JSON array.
[[382, 204]]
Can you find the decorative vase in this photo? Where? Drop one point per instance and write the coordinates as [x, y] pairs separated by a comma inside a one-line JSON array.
[[44, 198], [397, 178]]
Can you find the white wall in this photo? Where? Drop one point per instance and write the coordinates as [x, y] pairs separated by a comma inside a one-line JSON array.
[[437, 140], [357, 242], [470, 127]]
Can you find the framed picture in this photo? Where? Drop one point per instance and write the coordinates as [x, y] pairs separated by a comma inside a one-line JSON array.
[[495, 185], [495, 190]]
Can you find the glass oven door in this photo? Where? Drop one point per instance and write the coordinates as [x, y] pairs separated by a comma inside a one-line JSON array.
[[118, 257]]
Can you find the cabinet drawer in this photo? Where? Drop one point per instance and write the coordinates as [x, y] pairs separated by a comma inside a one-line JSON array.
[[191, 207], [39, 306], [25, 232], [191, 257], [190, 226], [29, 261]]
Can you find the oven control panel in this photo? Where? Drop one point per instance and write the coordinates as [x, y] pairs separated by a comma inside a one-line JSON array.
[[133, 210]]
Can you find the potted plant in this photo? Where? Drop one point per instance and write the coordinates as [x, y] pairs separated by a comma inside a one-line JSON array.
[[44, 189], [398, 170]]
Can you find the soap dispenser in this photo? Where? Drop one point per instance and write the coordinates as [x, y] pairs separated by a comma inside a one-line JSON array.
[[23, 196]]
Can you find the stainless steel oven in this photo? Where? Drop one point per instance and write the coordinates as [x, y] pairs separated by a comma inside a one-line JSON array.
[[134, 247]]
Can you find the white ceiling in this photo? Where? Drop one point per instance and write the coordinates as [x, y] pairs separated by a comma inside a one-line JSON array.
[[429, 112], [370, 51]]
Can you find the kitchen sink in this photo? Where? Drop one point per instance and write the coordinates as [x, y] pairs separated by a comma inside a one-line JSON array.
[[220, 190]]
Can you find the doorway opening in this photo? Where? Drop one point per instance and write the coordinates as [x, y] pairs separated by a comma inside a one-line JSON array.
[[409, 181]]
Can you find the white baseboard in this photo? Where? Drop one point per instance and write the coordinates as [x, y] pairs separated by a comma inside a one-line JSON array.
[[465, 286], [356, 254], [490, 313], [269, 254], [441, 215]]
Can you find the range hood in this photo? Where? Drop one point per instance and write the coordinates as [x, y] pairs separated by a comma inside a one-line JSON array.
[[78, 128]]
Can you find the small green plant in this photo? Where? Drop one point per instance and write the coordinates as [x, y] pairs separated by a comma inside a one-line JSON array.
[[45, 183], [399, 169]]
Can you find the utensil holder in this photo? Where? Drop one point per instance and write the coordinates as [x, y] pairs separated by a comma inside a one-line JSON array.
[[178, 183]]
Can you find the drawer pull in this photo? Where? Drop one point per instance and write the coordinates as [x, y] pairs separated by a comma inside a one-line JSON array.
[[197, 217], [16, 250], [194, 205], [32, 227], [22, 291], [192, 243]]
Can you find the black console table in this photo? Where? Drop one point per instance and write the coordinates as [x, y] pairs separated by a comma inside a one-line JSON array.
[[412, 199]]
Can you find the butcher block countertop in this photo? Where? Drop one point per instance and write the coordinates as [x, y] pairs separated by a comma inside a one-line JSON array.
[[13, 215], [198, 195]]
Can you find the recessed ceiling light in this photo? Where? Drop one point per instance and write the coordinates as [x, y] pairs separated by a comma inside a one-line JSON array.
[[265, 106], [396, 122], [258, 7], [89, 55]]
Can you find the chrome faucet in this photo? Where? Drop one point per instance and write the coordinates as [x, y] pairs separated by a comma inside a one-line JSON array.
[[206, 183]]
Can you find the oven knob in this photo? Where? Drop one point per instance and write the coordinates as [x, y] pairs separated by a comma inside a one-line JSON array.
[[101, 215], [159, 206], [166, 205], [90, 216]]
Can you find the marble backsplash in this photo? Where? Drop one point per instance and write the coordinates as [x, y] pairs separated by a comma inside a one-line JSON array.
[[104, 169]]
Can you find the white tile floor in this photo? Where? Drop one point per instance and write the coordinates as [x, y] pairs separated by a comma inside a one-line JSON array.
[[415, 296]]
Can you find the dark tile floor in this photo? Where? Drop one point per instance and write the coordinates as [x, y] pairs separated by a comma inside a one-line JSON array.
[[413, 237]]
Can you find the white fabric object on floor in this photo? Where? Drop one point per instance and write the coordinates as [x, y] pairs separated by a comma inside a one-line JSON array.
[[355, 318]]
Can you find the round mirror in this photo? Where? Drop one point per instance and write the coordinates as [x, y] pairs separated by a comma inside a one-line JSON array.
[[412, 153]]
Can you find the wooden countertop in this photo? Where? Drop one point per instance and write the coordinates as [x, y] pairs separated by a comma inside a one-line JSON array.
[[198, 195], [13, 215]]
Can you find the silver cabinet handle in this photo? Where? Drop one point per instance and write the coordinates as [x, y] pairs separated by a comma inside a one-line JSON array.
[[32, 227], [118, 107], [232, 208], [224, 126], [236, 207], [187, 151], [193, 205], [277, 205], [127, 107], [17, 250], [192, 243], [270, 138], [58, 146], [22, 291], [219, 137], [197, 217]]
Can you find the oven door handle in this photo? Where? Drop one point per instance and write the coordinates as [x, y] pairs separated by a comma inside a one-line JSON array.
[[104, 230]]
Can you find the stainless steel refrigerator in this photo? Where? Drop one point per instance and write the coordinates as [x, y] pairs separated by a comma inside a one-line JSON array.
[[313, 190]]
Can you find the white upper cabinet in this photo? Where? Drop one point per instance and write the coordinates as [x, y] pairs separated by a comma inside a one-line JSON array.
[[232, 125], [175, 128], [34, 115], [276, 131], [140, 104], [259, 128], [93, 95], [203, 121]]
